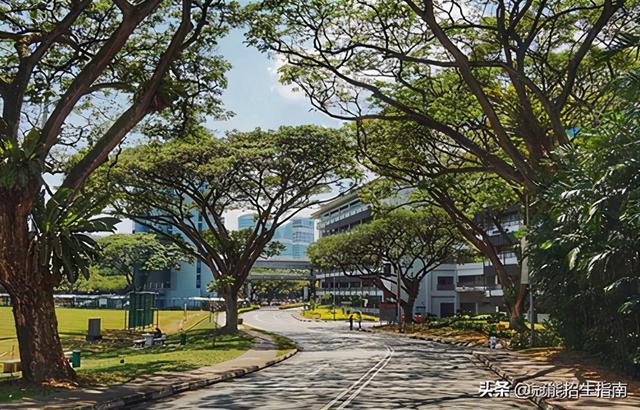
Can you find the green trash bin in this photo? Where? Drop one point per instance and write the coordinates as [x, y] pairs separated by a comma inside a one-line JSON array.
[[75, 359], [183, 338]]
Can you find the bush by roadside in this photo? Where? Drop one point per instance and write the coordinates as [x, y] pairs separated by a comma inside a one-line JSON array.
[[291, 305]]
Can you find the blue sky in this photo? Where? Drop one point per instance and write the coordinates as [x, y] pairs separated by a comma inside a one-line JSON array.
[[255, 95], [257, 98]]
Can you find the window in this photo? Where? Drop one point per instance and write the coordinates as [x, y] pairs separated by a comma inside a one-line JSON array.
[[468, 308], [447, 309], [445, 283]]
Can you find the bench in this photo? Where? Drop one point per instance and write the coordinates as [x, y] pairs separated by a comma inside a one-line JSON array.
[[141, 343], [10, 366]]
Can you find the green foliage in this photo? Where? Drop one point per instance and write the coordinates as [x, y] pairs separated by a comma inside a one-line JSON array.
[[61, 243], [277, 289], [97, 282], [587, 266], [190, 182], [413, 240], [124, 254]]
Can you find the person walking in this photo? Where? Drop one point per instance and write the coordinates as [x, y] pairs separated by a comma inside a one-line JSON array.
[[351, 322]]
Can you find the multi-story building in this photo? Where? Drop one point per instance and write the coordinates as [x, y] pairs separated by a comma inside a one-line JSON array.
[[471, 287], [188, 284], [296, 235], [341, 215]]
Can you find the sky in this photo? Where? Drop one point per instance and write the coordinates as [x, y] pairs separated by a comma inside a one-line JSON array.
[[258, 99]]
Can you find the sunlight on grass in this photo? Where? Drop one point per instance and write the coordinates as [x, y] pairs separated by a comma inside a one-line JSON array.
[[72, 324]]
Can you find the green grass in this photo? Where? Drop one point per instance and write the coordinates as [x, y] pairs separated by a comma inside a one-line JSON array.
[[284, 343], [72, 324], [325, 313], [203, 348], [248, 309], [113, 361], [291, 306]]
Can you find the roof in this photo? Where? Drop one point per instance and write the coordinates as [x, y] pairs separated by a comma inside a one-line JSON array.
[[342, 198]]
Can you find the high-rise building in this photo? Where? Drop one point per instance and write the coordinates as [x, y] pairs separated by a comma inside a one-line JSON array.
[[296, 235]]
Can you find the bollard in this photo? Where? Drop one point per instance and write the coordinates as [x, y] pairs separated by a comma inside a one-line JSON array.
[[183, 338]]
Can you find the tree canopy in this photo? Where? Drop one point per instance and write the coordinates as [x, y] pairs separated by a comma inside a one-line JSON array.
[[402, 243], [77, 77], [128, 254], [190, 183]]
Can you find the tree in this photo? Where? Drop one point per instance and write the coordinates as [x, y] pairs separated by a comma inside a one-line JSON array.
[[83, 74], [277, 289], [473, 200], [189, 184], [411, 242], [128, 254], [497, 84], [587, 255]]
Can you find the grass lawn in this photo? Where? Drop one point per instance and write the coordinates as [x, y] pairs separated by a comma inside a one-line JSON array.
[[114, 361], [325, 313], [72, 324]]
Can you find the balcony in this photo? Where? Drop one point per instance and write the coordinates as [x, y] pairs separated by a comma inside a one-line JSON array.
[[494, 292], [470, 287]]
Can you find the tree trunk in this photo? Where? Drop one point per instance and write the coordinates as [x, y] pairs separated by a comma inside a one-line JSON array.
[[407, 307], [31, 292], [231, 309], [41, 354]]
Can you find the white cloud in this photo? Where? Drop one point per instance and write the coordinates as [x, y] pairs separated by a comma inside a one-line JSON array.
[[289, 92]]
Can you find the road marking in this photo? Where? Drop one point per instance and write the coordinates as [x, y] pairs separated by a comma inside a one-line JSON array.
[[318, 369], [363, 385], [373, 368]]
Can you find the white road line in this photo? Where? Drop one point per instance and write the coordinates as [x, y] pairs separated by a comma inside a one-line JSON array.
[[363, 385], [345, 392], [318, 369]]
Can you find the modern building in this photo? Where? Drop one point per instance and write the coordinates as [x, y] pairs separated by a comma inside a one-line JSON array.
[[341, 215], [296, 235], [188, 284], [185, 285], [470, 287]]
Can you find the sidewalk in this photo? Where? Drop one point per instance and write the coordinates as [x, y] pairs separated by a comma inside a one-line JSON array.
[[517, 368], [264, 353]]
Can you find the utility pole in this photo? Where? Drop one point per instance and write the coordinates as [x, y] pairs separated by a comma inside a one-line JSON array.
[[398, 295], [525, 277]]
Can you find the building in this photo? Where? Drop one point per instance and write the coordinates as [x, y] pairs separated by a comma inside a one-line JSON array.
[[185, 285], [470, 287], [188, 284], [341, 215], [296, 235]]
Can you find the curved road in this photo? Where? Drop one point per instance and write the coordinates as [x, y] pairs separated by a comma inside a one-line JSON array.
[[339, 369]]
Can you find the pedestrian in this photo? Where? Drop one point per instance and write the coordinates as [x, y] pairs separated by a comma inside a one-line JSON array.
[[351, 322], [360, 322]]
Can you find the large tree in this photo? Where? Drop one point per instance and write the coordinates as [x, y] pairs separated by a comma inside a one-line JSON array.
[[138, 253], [81, 74], [500, 83], [412, 243], [184, 188]]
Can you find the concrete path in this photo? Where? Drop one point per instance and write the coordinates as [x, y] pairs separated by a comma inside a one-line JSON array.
[[263, 354]]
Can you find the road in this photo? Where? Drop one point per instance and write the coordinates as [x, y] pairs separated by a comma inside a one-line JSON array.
[[340, 369]]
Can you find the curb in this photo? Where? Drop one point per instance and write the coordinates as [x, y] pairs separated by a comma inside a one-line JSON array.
[[159, 393], [433, 339], [539, 401]]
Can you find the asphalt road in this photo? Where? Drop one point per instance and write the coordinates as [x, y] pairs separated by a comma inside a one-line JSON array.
[[340, 369]]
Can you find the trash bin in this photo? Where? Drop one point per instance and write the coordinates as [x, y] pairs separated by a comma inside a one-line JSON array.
[[75, 359], [183, 338]]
